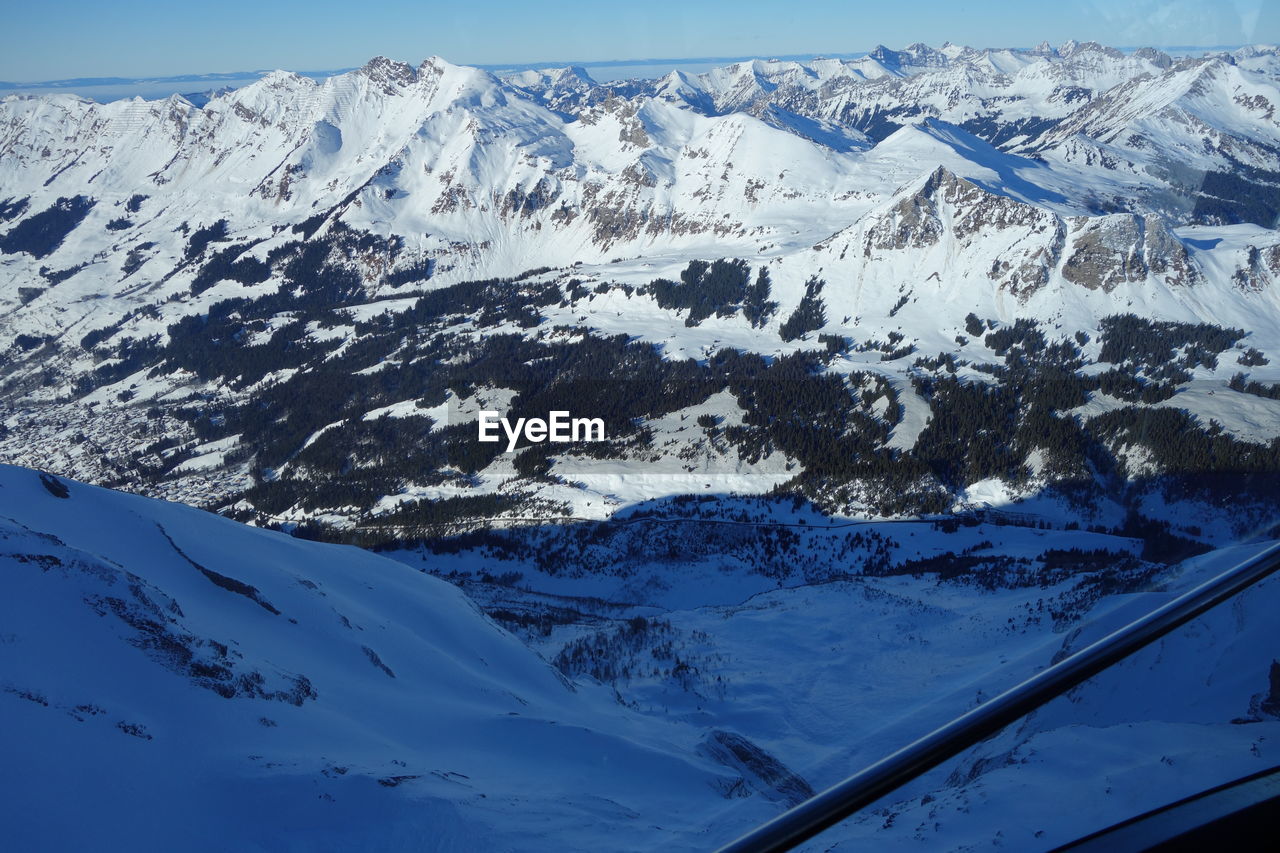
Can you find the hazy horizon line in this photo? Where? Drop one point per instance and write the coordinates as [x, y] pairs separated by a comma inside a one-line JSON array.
[[215, 76]]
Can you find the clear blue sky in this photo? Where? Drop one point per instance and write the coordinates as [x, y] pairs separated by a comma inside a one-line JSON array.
[[57, 39]]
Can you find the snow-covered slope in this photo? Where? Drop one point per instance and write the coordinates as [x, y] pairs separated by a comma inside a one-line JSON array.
[[485, 175], [1197, 709], [162, 670]]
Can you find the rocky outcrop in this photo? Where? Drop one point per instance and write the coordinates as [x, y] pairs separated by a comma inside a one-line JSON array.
[[1261, 266], [912, 223], [1271, 703], [951, 228], [1124, 248], [392, 76], [946, 204], [760, 771]]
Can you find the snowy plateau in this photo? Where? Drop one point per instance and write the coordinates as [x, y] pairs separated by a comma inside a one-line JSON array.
[[914, 373]]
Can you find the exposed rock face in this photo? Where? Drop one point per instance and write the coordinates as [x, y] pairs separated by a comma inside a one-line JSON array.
[[916, 221], [1265, 704], [1023, 279], [949, 205], [760, 770], [1112, 250], [524, 203], [1104, 254], [1271, 704], [1261, 266], [951, 228], [912, 223], [1166, 255], [391, 75]]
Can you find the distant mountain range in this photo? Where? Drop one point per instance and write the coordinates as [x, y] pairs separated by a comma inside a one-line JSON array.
[[884, 204]]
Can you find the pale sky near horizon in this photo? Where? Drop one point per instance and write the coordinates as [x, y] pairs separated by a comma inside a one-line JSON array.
[[59, 39]]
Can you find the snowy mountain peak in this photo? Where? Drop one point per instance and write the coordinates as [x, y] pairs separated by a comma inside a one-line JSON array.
[[487, 175], [1158, 58], [951, 231], [891, 60], [390, 73]]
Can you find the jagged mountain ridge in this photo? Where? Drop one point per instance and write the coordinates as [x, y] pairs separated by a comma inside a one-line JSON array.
[[477, 174], [321, 205], [984, 240]]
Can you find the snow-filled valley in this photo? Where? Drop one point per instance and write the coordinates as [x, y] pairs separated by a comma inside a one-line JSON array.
[[167, 669]]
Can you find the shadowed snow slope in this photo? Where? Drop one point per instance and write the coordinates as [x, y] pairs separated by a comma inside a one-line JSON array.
[[173, 680]]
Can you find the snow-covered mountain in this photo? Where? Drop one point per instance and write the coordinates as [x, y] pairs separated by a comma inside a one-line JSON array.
[[911, 365], [889, 203], [483, 175]]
